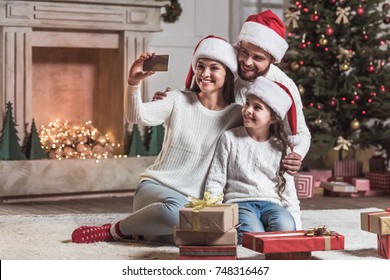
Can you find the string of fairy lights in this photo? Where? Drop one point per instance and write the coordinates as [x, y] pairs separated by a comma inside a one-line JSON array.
[[76, 140]]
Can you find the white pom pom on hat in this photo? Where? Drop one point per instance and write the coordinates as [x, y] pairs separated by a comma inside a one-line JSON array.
[[267, 31], [280, 100], [216, 48]]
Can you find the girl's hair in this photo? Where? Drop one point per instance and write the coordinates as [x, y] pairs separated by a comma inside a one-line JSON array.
[[278, 131], [228, 87]]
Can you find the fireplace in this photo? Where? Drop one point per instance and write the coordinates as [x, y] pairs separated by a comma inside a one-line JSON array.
[[68, 59]]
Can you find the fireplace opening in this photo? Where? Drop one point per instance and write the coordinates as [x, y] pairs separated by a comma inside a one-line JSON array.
[[79, 84]]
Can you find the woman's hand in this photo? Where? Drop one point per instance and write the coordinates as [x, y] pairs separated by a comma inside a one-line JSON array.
[[292, 163], [136, 73]]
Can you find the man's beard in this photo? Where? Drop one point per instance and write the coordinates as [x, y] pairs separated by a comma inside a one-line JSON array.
[[251, 77]]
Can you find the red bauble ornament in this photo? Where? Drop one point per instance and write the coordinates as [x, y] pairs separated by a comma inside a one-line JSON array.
[[302, 46], [332, 1], [360, 11], [358, 85], [329, 31], [314, 17], [371, 68], [365, 37], [385, 6], [386, 20]]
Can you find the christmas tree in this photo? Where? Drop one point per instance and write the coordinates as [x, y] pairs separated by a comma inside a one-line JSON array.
[[338, 57], [137, 147], [156, 140], [33, 148], [9, 140]]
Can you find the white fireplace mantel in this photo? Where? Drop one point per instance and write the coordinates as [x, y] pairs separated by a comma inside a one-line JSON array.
[[122, 25]]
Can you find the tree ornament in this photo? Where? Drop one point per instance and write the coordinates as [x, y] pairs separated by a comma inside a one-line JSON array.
[[371, 68], [294, 66], [358, 85], [364, 36], [323, 41], [301, 89], [302, 45], [342, 15], [386, 20], [329, 31], [315, 17], [360, 10], [292, 15], [385, 7], [355, 124], [344, 66], [332, 1]]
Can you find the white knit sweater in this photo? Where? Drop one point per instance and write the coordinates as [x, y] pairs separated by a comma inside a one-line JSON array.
[[191, 135], [245, 170], [275, 74]]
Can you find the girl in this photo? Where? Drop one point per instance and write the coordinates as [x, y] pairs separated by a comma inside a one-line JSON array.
[[247, 165], [194, 120]]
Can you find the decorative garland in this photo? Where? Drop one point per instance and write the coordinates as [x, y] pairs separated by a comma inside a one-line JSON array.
[[172, 12]]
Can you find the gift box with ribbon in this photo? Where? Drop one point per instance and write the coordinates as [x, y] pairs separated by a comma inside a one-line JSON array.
[[207, 215], [316, 239], [335, 187], [228, 252], [376, 222], [200, 238], [384, 246], [379, 180], [361, 184], [348, 168]]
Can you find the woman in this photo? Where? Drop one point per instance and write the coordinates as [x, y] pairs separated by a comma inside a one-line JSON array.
[[194, 120]]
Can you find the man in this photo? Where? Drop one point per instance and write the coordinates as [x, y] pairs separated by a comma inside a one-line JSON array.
[[260, 44]]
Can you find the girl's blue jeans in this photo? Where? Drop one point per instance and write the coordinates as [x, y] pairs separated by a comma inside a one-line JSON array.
[[261, 216]]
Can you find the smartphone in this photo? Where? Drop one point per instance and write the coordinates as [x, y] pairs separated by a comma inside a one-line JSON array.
[[158, 62]]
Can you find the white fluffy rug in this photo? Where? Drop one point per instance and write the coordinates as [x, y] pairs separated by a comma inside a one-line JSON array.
[[48, 238]]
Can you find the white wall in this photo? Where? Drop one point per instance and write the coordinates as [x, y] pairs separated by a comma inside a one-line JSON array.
[[198, 19]]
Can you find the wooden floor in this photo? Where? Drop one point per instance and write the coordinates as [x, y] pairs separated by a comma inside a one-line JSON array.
[[122, 203]]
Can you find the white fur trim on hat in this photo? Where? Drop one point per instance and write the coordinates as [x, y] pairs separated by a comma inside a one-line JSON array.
[[216, 49], [272, 94], [265, 38]]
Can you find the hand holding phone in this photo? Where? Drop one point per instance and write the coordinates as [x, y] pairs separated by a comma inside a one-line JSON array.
[[157, 63]]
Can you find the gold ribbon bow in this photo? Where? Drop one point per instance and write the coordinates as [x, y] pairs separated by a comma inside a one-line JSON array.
[[342, 144], [207, 201], [342, 15], [345, 54], [292, 18], [319, 231]]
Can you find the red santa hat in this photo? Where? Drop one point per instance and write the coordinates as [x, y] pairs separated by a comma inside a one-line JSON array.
[[266, 31], [216, 48], [280, 100]]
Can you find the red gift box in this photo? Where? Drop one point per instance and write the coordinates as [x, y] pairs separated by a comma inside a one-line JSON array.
[[291, 241], [304, 185], [289, 256], [347, 168], [207, 252], [384, 246], [379, 180]]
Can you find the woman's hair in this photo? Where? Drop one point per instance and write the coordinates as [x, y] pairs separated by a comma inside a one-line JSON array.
[[228, 87], [278, 131]]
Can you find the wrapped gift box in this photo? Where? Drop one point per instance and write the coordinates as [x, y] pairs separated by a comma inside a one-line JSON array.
[[384, 246], [208, 252], [377, 164], [289, 256], [361, 184], [347, 168], [219, 218], [376, 222], [304, 185], [319, 175], [291, 241], [199, 238], [379, 180], [336, 186]]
